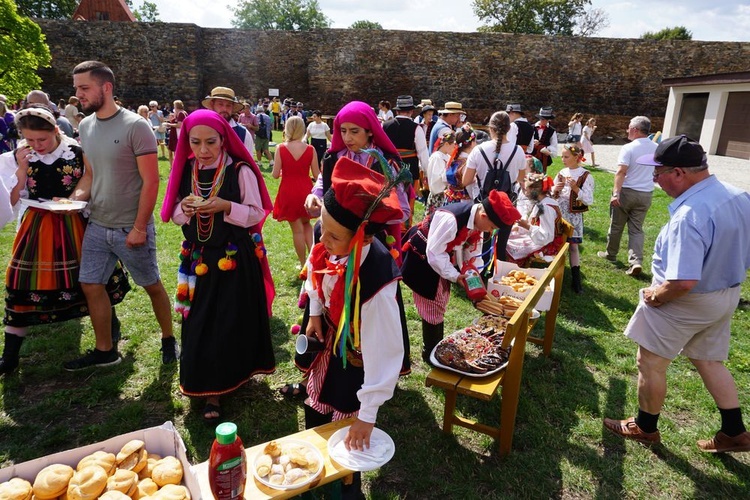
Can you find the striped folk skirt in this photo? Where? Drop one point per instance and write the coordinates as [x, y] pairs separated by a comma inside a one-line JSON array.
[[41, 281]]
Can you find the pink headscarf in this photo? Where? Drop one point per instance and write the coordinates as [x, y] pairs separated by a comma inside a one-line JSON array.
[[237, 150], [361, 114]]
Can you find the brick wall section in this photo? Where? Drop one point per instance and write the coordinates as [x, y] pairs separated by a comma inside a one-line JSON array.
[[613, 79]]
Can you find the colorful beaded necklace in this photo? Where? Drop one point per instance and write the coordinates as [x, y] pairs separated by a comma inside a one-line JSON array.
[[205, 222]]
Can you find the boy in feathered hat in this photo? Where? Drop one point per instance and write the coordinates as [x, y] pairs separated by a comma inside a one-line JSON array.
[[352, 285], [449, 238]]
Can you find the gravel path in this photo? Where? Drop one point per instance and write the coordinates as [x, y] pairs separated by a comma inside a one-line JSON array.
[[732, 170]]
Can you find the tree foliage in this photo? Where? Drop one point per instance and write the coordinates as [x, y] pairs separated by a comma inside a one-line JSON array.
[[541, 17], [147, 12], [591, 21], [291, 15], [676, 33], [22, 52], [47, 9], [366, 25]]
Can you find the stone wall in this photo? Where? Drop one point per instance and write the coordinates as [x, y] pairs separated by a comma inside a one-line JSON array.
[[613, 79]]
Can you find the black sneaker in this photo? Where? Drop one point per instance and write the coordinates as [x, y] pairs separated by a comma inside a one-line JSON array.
[[93, 357], [170, 352]]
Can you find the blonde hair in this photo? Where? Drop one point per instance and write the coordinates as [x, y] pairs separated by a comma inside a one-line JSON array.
[[178, 104], [142, 109], [294, 128], [591, 121]]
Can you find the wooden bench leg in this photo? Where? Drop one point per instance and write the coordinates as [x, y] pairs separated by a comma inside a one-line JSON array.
[[450, 409]]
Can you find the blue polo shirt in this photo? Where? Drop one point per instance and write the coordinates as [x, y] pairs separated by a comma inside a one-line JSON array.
[[707, 237]]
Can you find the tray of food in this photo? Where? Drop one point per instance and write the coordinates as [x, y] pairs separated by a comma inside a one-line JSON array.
[[471, 353], [288, 464]]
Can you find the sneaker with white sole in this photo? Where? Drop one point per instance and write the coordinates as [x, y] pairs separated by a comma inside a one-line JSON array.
[[634, 270], [93, 357], [605, 255]]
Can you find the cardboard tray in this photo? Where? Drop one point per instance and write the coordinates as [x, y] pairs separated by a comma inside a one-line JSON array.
[[503, 268], [163, 440]]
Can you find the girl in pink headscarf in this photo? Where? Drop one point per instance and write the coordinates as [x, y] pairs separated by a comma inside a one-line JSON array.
[[217, 194]]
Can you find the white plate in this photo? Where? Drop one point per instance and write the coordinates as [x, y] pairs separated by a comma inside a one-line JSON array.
[[534, 314], [264, 480], [55, 206], [382, 448]]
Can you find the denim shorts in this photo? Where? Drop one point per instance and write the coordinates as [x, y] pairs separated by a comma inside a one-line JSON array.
[[103, 246]]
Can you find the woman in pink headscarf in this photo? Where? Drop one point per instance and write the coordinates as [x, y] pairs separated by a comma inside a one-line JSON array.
[[217, 194], [355, 128]]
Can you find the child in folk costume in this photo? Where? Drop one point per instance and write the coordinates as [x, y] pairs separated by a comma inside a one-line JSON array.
[[466, 140], [574, 190], [436, 170], [536, 233], [352, 285], [449, 238]]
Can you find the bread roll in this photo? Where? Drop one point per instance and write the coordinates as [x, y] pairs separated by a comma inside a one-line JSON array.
[[87, 483], [147, 487], [114, 495], [16, 489], [168, 470], [130, 455], [172, 492], [52, 481], [101, 458], [125, 481]]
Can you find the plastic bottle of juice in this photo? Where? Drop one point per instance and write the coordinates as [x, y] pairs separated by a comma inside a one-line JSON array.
[[474, 286], [227, 465]]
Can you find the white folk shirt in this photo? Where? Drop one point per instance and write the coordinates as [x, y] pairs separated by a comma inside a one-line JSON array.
[[443, 230], [380, 336]]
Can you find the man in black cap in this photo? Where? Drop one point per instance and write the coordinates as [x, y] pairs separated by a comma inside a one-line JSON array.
[[521, 131], [410, 141], [701, 257], [545, 138]]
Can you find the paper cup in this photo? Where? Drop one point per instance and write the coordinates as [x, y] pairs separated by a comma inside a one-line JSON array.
[[308, 344]]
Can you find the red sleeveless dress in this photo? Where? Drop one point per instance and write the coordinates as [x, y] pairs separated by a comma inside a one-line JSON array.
[[295, 185]]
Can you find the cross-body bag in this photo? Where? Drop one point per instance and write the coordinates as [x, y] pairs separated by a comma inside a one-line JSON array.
[[498, 178]]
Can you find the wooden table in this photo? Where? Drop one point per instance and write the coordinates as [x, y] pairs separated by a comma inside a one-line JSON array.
[[317, 436]]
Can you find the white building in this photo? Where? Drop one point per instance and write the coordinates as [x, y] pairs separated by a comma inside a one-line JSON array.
[[713, 109]]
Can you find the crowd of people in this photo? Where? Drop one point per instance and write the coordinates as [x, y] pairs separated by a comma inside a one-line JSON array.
[[487, 197]]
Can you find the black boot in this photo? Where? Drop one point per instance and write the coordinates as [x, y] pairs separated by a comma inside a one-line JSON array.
[[577, 286], [9, 361], [431, 335]]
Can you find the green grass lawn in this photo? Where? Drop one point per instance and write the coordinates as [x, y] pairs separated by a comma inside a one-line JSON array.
[[559, 447]]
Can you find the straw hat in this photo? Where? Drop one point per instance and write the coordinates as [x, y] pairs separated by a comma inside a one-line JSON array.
[[226, 94], [452, 107]]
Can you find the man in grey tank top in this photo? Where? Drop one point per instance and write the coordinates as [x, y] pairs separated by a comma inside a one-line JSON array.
[[120, 149]]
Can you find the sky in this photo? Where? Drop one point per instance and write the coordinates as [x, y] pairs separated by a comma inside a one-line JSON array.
[[717, 20]]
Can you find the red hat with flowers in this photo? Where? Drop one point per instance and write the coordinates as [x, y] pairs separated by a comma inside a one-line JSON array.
[[360, 195], [500, 209]]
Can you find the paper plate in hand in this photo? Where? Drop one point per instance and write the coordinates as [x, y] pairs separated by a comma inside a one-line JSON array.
[[55, 206], [298, 476], [381, 450]]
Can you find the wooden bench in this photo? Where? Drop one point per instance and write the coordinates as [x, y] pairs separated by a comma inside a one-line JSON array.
[[484, 388]]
